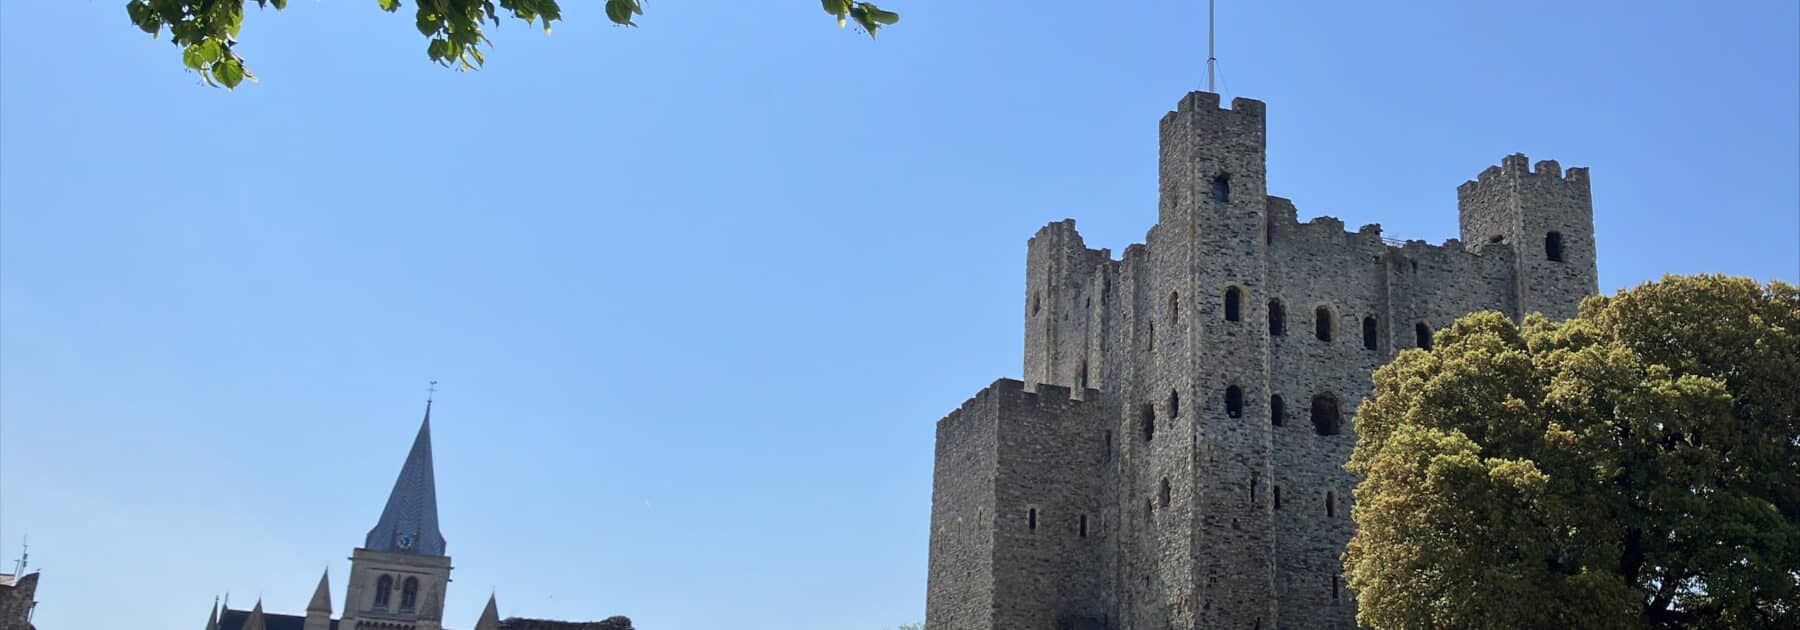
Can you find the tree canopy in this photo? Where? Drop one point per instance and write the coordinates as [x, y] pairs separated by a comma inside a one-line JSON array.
[[1635, 467], [207, 30]]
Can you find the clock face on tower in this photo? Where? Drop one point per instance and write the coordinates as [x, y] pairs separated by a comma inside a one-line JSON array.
[[405, 541]]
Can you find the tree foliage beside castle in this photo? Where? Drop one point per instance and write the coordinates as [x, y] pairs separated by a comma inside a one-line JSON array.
[[207, 30], [1637, 466]]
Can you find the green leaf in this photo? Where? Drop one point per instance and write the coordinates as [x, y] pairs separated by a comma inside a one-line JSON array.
[[884, 17], [229, 72], [389, 5], [620, 11]]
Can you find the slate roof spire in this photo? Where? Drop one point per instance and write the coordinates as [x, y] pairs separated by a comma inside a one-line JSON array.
[[490, 616], [409, 522], [255, 620], [212, 621]]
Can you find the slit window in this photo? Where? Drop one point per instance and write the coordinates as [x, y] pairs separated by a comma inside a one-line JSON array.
[[1369, 333], [1036, 302], [1083, 526], [1106, 455], [1233, 304], [1147, 421], [1162, 495], [1330, 504], [1221, 188], [1234, 401], [1277, 497], [1277, 319], [1174, 307], [1325, 415], [1553, 246], [1081, 378], [1334, 588], [1031, 519], [1277, 410], [1174, 404], [1322, 323], [1422, 336]]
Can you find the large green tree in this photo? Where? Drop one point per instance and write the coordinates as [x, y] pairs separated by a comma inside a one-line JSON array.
[[1635, 467], [207, 30]]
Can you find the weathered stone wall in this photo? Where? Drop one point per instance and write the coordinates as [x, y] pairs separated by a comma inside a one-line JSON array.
[[1213, 515], [16, 602]]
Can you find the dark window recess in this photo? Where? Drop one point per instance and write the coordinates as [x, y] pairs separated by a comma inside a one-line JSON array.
[[1221, 188], [1277, 497], [1334, 588], [1233, 304], [1277, 410], [1330, 504], [1106, 455], [1415, 266], [1081, 378], [1150, 336], [1277, 319], [1422, 335], [1368, 333], [1031, 519], [409, 594], [1147, 420], [1174, 307], [1253, 480], [1084, 526], [384, 589], [1322, 323], [1496, 239], [1325, 415], [1553, 246], [1174, 404], [1234, 401], [1162, 495], [1036, 303]]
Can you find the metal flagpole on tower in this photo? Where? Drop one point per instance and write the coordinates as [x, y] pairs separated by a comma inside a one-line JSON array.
[[1211, 61]]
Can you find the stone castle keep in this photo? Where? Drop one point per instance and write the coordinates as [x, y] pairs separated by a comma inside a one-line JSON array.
[[1174, 455]]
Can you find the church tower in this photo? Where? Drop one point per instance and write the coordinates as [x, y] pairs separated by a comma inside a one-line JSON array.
[[398, 576]]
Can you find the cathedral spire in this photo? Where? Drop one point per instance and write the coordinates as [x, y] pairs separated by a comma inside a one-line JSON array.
[[255, 620], [409, 522], [321, 601], [212, 621], [490, 616]]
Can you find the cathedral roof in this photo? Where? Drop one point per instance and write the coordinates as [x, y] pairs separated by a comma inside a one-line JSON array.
[[234, 620], [412, 506]]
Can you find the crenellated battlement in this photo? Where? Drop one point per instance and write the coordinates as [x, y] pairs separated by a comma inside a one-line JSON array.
[[1516, 167]]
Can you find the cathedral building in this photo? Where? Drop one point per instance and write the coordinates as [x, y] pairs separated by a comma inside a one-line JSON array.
[[398, 577]]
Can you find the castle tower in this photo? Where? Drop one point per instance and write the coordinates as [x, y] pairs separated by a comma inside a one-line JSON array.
[[1548, 218], [398, 576]]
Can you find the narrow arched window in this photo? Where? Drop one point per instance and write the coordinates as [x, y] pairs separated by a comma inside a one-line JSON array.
[[1330, 504], [1553, 246], [1147, 419], [1162, 495], [1031, 520], [1234, 401], [409, 594], [1174, 307], [1325, 415], [1277, 497], [1084, 526], [384, 590], [1322, 323], [1369, 333], [1174, 404], [1277, 410], [1277, 319], [1422, 336], [1233, 304], [1221, 188]]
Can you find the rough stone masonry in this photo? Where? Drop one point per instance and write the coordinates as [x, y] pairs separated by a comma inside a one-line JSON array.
[[1174, 455]]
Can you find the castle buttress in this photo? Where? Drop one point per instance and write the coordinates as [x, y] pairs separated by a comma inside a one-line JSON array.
[[1173, 457]]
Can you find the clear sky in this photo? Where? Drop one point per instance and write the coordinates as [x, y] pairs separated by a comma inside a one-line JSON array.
[[698, 291]]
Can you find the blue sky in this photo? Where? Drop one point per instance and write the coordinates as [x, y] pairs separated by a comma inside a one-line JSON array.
[[697, 291]]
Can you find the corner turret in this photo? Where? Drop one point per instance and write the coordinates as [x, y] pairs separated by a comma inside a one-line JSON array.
[[1546, 216]]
